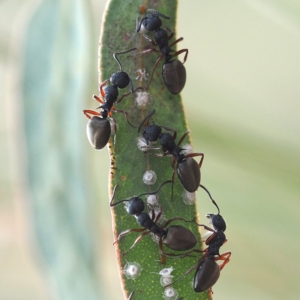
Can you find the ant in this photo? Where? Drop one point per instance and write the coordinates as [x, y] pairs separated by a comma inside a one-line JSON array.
[[175, 237], [207, 270], [98, 127], [188, 170], [173, 70]]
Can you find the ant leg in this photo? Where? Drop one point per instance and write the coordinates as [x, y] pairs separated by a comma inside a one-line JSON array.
[[88, 111], [125, 114], [132, 91], [176, 219], [175, 42], [206, 227], [123, 233], [188, 253], [210, 239], [102, 90], [171, 129], [131, 295], [181, 51], [136, 241], [98, 99], [183, 137], [197, 154], [123, 52], [171, 32], [156, 218], [186, 273], [147, 51], [226, 257], [154, 67], [113, 196], [150, 40]]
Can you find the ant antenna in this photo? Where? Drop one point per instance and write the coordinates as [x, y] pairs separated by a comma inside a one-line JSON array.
[[113, 196], [147, 118], [116, 58], [155, 12], [148, 193], [213, 201], [131, 295], [155, 192]]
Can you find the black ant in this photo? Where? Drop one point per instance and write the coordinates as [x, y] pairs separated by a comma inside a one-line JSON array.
[[175, 237], [173, 70], [207, 270], [188, 170], [98, 127]]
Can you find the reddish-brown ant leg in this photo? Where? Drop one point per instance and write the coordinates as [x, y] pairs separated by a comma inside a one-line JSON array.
[[101, 88], [136, 241], [154, 67], [92, 112], [181, 51], [183, 137], [175, 219], [226, 257], [197, 154], [123, 233], [186, 273], [171, 129], [125, 113], [171, 32], [98, 99], [175, 42], [127, 94], [150, 40]]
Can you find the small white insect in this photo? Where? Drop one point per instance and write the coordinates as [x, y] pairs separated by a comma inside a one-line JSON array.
[[170, 293], [157, 210], [166, 272], [188, 149], [189, 198], [141, 74], [132, 270], [149, 177], [155, 238], [164, 280], [143, 99], [152, 200], [142, 145]]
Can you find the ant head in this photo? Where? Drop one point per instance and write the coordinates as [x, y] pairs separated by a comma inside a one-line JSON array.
[[135, 206], [151, 133], [152, 21], [217, 222]]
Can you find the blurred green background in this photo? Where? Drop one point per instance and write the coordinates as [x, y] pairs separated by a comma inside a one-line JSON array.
[[242, 105]]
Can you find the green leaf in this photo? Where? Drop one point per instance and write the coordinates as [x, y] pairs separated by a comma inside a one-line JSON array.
[[129, 163]]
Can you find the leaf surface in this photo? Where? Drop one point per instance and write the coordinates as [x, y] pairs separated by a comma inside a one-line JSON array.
[[129, 163]]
